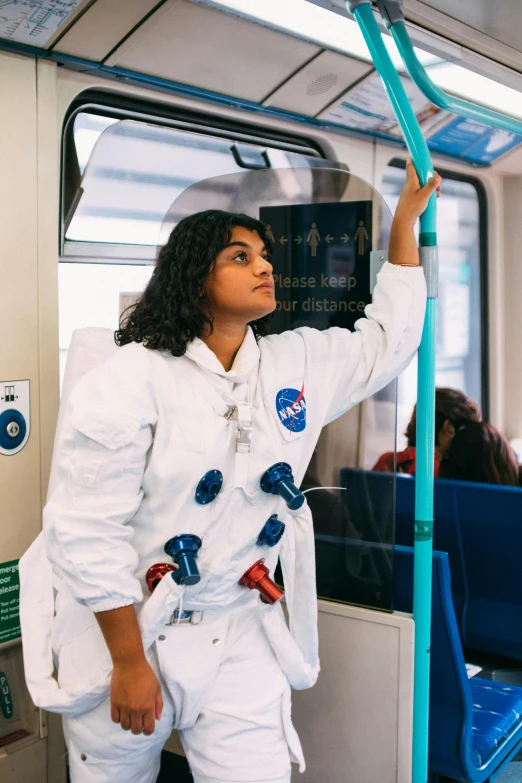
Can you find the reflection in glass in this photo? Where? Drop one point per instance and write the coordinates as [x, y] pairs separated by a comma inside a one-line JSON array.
[[353, 528], [133, 170]]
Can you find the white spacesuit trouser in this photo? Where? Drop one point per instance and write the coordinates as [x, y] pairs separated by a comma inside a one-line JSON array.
[[243, 733]]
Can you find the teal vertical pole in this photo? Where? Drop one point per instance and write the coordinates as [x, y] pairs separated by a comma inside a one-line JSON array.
[[419, 152]]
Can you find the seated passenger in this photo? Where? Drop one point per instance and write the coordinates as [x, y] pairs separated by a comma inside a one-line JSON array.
[[453, 409], [479, 452]]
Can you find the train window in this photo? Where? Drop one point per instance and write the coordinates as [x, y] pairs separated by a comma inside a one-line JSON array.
[[120, 176], [461, 312], [129, 172]]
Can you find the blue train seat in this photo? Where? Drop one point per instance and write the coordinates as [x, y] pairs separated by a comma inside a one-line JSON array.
[[475, 725], [480, 527], [490, 528]]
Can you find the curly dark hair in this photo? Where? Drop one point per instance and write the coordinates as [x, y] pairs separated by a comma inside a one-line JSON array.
[[169, 313], [479, 452], [450, 404]]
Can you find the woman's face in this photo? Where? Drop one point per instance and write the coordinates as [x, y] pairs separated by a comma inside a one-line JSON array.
[[240, 286]]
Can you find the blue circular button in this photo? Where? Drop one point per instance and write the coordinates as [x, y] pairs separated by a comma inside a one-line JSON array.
[[12, 429], [208, 487]]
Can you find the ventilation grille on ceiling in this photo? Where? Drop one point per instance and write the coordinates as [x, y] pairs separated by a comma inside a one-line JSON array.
[[322, 84]]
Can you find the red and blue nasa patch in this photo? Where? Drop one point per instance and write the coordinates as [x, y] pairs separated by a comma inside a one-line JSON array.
[[291, 409]]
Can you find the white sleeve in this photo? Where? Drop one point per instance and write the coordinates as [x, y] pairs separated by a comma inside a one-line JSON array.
[[349, 366], [102, 455]]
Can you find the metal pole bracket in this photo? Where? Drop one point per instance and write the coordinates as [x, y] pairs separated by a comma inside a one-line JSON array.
[[391, 11], [351, 5], [429, 261]]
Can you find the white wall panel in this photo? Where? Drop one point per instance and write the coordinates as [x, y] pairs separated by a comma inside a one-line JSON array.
[[355, 724], [48, 145], [20, 520]]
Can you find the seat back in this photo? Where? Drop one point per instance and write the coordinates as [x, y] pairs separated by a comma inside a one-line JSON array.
[[490, 524], [446, 535], [474, 728]]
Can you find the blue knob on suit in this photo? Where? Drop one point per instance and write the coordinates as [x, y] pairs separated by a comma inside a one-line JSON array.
[[278, 480], [208, 487], [184, 550], [272, 532]]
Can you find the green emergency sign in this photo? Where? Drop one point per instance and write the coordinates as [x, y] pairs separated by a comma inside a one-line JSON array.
[[9, 602]]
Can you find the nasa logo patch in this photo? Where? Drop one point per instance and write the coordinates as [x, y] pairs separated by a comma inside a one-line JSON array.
[[291, 409]]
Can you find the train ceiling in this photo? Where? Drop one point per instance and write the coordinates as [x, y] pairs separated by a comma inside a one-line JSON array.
[[216, 46]]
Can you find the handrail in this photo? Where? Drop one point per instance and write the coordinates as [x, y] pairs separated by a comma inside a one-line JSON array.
[[425, 440], [437, 96]]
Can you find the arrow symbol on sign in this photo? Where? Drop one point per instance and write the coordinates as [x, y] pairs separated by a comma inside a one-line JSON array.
[[283, 240], [298, 239], [345, 238], [328, 238]]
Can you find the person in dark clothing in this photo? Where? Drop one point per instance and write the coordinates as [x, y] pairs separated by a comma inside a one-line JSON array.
[[479, 452], [453, 409]]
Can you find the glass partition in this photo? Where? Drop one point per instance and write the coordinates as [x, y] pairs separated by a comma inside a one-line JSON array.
[[131, 171], [354, 532], [326, 227]]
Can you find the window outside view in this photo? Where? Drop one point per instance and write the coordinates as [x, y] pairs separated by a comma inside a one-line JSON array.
[[459, 344]]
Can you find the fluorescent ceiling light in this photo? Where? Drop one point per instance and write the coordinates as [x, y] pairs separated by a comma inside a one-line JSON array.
[[315, 24], [477, 89]]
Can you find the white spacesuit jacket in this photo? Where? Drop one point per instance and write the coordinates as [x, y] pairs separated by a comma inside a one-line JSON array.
[[139, 432]]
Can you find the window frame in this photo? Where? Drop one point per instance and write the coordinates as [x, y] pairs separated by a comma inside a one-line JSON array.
[[124, 107], [476, 183]]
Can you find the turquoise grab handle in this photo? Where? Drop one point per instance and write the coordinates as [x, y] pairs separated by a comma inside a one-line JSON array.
[[425, 393], [437, 96], [404, 113]]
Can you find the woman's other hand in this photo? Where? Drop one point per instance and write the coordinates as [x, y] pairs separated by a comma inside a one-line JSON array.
[[136, 700], [414, 199]]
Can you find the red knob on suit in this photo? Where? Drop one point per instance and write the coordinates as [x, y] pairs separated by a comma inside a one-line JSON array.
[[156, 573], [256, 578]]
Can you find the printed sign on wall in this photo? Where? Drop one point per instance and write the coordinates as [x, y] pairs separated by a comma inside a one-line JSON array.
[[366, 107], [321, 263], [472, 140]]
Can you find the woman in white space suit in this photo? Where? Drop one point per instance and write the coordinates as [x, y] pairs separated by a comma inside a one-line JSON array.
[[199, 390]]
